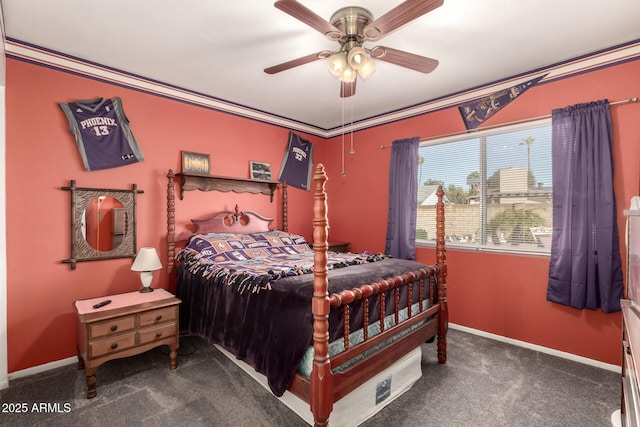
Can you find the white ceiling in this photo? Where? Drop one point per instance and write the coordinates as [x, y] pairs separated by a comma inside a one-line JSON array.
[[220, 48]]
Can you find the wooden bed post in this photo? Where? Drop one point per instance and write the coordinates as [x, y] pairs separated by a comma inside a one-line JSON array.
[[321, 381], [171, 227], [441, 277]]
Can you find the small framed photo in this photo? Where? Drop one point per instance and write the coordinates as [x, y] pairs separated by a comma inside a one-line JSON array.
[[195, 163], [260, 170]]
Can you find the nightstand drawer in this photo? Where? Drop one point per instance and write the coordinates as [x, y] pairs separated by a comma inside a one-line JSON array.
[[112, 326], [153, 317], [159, 333], [112, 345]]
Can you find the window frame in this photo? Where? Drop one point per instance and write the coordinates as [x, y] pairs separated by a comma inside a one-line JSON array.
[[482, 135]]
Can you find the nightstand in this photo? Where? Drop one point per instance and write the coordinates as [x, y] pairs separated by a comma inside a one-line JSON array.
[[131, 324], [339, 246], [335, 246]]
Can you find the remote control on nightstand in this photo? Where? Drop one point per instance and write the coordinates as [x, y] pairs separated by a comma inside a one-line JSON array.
[[102, 304]]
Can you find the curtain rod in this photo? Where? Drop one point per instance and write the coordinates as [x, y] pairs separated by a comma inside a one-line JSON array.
[[531, 119]]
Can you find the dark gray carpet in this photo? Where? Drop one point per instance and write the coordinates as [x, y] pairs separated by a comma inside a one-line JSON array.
[[484, 383]]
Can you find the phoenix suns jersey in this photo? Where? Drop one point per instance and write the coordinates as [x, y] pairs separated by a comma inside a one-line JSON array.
[[297, 163], [102, 133]]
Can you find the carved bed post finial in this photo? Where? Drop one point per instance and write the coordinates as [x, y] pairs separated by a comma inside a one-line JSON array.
[[236, 215], [321, 381], [441, 261], [171, 227]]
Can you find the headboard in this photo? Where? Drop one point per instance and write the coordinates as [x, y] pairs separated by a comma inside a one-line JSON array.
[[233, 222]]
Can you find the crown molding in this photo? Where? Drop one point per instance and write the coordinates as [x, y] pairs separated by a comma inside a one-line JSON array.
[[56, 60]]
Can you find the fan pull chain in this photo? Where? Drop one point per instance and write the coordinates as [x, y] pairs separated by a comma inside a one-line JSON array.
[[351, 151], [343, 171]]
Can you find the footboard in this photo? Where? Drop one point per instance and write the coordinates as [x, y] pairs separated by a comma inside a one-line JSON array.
[[412, 324], [406, 315]]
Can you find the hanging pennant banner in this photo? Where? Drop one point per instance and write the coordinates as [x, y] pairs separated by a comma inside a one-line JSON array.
[[475, 112]]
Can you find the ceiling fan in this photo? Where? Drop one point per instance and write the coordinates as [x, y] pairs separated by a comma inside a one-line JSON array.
[[351, 27]]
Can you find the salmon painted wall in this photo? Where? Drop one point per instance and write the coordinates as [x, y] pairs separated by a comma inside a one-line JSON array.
[[486, 291], [42, 157], [499, 294]]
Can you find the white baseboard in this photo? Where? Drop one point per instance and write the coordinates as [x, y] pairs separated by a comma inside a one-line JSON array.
[[541, 349], [42, 368]]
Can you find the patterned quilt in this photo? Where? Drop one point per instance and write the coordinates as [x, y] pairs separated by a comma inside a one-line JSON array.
[[255, 261]]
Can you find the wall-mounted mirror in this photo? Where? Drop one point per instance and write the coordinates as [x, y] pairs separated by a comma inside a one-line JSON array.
[[103, 223]]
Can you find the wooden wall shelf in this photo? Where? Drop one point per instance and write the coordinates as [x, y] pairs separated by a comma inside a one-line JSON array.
[[190, 181]]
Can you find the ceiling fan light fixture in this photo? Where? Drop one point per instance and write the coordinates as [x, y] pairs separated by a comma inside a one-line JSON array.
[[348, 75], [337, 64], [367, 70], [357, 58]]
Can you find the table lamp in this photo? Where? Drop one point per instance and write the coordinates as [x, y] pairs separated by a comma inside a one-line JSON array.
[[146, 262]]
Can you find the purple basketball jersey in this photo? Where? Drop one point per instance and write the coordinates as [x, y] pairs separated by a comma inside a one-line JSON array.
[[297, 163], [102, 133]]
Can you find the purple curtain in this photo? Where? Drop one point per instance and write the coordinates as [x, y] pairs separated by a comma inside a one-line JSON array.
[[403, 194], [584, 269]]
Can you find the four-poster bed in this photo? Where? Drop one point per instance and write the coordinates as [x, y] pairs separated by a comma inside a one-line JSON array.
[[363, 317]]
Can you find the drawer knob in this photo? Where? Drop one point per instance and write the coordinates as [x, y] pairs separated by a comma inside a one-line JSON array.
[[114, 328], [158, 334], [114, 346], [158, 317]]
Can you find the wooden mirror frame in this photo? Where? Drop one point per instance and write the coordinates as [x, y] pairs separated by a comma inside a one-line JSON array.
[[81, 250]]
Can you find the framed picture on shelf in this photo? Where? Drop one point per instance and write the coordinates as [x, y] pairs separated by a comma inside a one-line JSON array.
[[195, 163], [260, 170]]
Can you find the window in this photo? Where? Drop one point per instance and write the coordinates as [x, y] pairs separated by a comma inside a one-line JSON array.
[[497, 185]]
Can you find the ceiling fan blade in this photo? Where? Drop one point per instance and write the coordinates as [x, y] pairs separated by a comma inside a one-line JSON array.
[[302, 13], [347, 89], [398, 16], [297, 62], [412, 61]]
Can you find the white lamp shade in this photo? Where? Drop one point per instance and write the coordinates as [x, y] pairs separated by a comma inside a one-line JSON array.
[[348, 75], [357, 58], [368, 69], [146, 260], [337, 64]]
